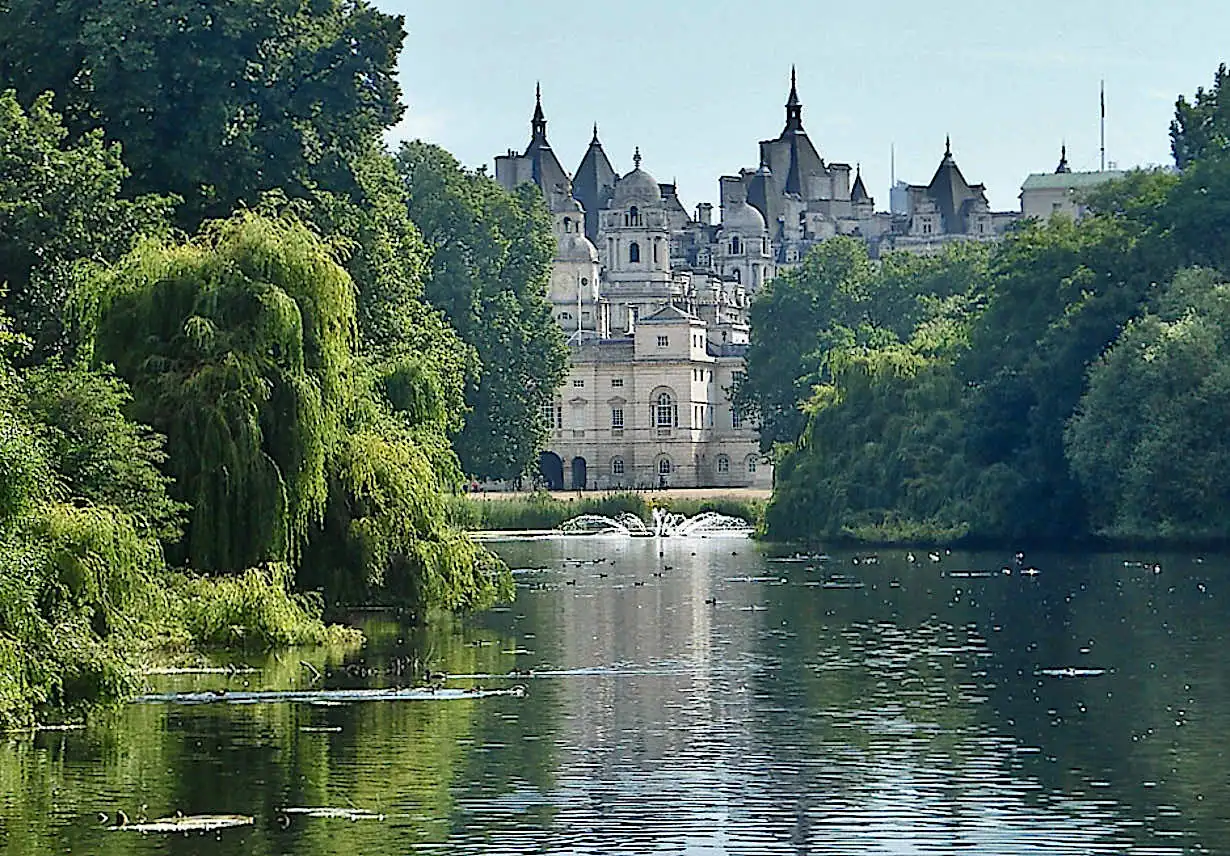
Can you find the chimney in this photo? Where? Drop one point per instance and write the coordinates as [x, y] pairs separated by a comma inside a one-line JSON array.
[[704, 214]]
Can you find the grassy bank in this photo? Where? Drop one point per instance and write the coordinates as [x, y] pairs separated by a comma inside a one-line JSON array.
[[544, 511]]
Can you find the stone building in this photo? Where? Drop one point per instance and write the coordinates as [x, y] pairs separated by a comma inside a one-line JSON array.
[[947, 209], [1060, 192], [654, 303]]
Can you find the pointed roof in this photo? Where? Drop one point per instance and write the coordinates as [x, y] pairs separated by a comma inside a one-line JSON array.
[[804, 159], [858, 193], [951, 192], [594, 183], [667, 314], [546, 169]]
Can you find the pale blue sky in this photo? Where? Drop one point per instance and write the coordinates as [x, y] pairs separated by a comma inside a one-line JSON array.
[[697, 84]]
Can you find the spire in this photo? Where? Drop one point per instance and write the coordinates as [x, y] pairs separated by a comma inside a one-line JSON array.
[[538, 124], [1063, 160], [636, 158], [794, 107], [858, 193], [947, 146]]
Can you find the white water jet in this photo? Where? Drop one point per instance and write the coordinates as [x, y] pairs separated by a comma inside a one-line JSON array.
[[663, 524]]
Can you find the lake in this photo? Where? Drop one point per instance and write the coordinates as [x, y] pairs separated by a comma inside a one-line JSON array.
[[692, 696]]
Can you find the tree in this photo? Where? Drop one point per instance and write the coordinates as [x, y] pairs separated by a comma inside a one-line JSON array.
[[491, 254], [1147, 441], [60, 204], [215, 102], [1201, 127], [238, 346]]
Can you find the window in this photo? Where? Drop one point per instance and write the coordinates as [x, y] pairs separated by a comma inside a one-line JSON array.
[[738, 275], [617, 381], [617, 466], [578, 384], [664, 411], [634, 252], [655, 250], [548, 414], [736, 419], [617, 418], [736, 246], [567, 225], [664, 467], [633, 217], [723, 464], [565, 316], [751, 465], [663, 341], [584, 281]]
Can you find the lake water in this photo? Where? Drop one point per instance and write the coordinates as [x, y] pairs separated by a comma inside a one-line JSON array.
[[694, 697]]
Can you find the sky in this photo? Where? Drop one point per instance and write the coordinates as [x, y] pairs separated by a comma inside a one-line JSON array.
[[695, 84]]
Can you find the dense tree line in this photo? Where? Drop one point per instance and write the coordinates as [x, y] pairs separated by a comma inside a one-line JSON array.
[[1063, 384], [225, 344]]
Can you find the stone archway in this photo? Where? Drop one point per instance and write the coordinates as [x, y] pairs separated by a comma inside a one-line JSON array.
[[579, 473], [551, 468]]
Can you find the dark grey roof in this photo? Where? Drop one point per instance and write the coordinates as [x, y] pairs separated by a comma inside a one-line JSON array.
[[951, 192], [547, 171], [858, 193], [594, 184]]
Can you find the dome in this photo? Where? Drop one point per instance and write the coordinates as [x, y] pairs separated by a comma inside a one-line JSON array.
[[576, 248], [742, 217], [637, 186]]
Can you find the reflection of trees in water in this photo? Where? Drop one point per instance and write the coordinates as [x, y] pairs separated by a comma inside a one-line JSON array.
[[398, 758], [890, 683]]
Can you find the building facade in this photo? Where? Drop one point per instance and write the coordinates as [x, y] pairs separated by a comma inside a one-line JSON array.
[[654, 299], [1046, 194]]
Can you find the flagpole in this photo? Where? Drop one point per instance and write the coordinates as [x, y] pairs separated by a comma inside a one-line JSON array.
[[1103, 125]]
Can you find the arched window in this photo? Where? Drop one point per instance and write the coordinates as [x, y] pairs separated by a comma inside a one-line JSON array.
[[738, 275], [633, 218], [736, 246], [764, 246], [723, 464], [634, 252], [617, 466], [567, 225], [664, 411], [664, 467], [751, 465], [656, 242]]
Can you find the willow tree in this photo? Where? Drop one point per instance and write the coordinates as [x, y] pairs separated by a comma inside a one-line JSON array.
[[238, 346]]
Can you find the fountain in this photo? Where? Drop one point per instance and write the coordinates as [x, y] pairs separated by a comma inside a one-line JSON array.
[[664, 524]]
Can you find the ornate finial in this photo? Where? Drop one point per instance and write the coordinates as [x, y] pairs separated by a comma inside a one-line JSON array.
[[595, 139], [1063, 159], [858, 169], [538, 91], [636, 158], [947, 146]]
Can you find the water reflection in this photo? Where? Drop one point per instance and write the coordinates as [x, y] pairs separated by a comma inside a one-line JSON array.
[[690, 697]]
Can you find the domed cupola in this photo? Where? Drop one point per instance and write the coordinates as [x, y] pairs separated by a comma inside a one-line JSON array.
[[637, 187], [742, 217]]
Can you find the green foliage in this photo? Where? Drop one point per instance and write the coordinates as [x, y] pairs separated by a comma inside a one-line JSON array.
[[101, 455], [276, 95], [836, 300], [1148, 442], [60, 203], [255, 609], [491, 255], [238, 346], [1201, 128]]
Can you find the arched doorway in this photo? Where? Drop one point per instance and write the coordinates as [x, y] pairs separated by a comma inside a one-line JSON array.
[[578, 473], [551, 468]]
